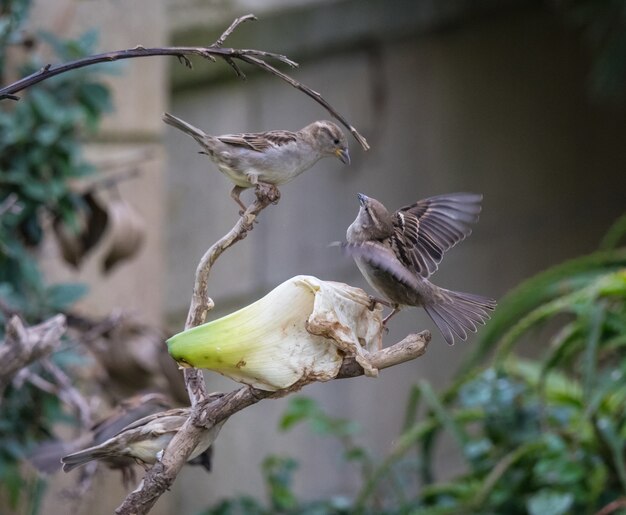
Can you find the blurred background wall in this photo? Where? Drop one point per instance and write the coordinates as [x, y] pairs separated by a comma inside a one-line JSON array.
[[486, 96]]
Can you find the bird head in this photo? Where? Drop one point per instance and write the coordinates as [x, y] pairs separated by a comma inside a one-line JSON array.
[[373, 222], [330, 140]]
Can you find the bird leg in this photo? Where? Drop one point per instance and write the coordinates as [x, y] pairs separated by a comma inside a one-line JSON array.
[[235, 192], [396, 309], [376, 300], [269, 191]]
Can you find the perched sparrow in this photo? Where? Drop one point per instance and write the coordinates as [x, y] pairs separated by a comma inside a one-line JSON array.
[[46, 457], [273, 157], [143, 440], [397, 252]]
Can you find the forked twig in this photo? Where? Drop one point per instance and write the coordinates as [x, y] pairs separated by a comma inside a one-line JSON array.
[[216, 50]]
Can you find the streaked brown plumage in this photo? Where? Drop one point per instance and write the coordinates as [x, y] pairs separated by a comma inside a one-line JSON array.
[[143, 440], [398, 252], [46, 457], [272, 157]]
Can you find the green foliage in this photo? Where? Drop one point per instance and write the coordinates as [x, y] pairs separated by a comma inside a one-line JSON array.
[[534, 436], [40, 154]]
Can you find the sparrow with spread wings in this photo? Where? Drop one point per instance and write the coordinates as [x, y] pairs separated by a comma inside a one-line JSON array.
[[267, 158], [398, 252]]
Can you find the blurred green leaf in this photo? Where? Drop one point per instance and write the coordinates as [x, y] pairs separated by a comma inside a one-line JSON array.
[[40, 153], [278, 473], [60, 296], [549, 502]]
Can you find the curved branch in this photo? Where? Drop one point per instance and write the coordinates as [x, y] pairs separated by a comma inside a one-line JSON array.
[[216, 50]]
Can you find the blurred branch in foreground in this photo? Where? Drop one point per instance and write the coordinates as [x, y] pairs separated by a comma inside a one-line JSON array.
[[23, 345]]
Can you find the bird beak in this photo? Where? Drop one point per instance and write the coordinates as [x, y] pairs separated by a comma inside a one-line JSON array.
[[362, 198], [343, 155]]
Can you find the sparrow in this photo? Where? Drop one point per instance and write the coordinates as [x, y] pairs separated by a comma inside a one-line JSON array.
[[46, 457], [143, 440], [267, 158], [398, 252]]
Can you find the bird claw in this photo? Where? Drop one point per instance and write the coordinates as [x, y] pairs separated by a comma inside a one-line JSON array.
[[393, 312], [268, 191]]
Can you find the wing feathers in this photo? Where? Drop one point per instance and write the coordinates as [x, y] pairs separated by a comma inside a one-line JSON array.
[[430, 227], [259, 141]]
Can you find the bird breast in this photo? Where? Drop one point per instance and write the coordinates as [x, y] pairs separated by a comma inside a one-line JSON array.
[[276, 165], [147, 449], [392, 289]]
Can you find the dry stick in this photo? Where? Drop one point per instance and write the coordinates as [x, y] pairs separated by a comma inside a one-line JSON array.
[[308, 91], [201, 303], [163, 474], [229, 55]]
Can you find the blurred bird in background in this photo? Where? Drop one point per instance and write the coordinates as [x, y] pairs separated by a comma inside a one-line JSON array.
[[143, 440], [46, 457]]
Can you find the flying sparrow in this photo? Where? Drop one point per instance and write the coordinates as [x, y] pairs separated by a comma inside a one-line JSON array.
[[398, 252], [267, 158], [143, 440]]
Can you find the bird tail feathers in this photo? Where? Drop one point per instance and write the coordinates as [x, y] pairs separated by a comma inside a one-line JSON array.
[[459, 313], [71, 461], [46, 457], [187, 128]]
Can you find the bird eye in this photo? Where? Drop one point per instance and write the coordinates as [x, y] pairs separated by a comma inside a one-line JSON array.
[[336, 141]]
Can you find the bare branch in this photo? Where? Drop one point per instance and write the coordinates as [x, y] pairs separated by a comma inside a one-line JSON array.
[[229, 55], [24, 345], [164, 473], [233, 26]]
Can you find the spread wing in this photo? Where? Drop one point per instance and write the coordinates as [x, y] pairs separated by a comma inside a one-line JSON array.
[[382, 258], [430, 227], [259, 141]]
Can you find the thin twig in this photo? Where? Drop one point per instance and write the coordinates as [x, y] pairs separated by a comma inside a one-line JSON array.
[[201, 303], [233, 26], [181, 446], [229, 55], [311, 93], [613, 506]]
